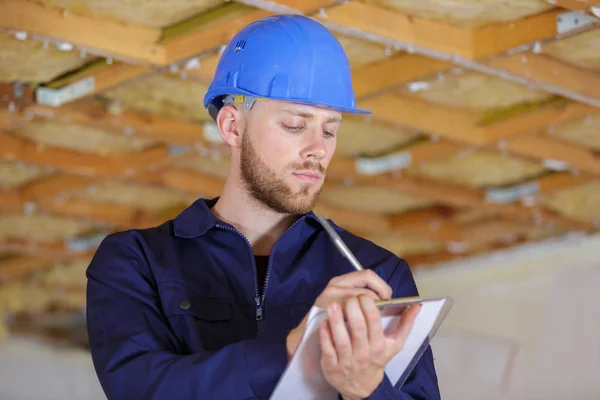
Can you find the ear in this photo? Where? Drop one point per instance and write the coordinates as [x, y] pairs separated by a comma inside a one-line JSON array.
[[231, 123]]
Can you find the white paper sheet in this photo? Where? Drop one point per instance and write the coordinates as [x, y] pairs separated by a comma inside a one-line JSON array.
[[303, 378]]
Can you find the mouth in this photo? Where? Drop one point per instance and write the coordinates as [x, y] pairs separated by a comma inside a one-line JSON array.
[[308, 176]]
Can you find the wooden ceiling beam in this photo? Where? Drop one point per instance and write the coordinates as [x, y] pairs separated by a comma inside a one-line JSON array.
[[548, 148], [21, 267], [469, 43], [343, 167], [99, 35], [90, 164], [138, 123], [575, 5], [88, 81], [467, 126], [546, 70], [400, 69]]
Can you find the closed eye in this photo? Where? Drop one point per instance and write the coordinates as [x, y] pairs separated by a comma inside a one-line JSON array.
[[292, 128]]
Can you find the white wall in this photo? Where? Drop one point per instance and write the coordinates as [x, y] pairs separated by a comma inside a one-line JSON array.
[[525, 326], [31, 370]]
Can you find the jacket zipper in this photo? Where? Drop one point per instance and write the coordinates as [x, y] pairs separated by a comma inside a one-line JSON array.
[[259, 298]]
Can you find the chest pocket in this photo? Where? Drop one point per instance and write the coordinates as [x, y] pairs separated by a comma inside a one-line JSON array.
[[199, 322]]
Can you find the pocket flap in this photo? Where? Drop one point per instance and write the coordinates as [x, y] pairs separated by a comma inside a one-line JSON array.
[[180, 299]]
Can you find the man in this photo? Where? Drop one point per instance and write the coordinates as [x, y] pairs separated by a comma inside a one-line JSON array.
[[212, 304]]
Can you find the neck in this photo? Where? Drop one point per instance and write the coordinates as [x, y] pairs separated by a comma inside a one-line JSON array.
[[260, 225]]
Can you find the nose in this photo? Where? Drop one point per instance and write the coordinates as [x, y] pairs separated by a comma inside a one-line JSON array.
[[315, 147]]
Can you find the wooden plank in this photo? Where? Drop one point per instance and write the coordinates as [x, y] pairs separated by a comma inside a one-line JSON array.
[[547, 70], [465, 42], [575, 5], [562, 180], [291, 6], [184, 179], [210, 31], [142, 124], [493, 231], [342, 167], [10, 202], [402, 27], [432, 223], [21, 267], [96, 78], [112, 38], [398, 70], [546, 147], [15, 97], [354, 220], [13, 148], [535, 120], [464, 125], [455, 124], [53, 186], [206, 69], [499, 37]]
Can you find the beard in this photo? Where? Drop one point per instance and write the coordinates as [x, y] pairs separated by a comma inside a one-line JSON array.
[[271, 191]]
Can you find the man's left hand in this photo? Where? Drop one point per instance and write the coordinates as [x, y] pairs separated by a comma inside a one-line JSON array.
[[353, 357]]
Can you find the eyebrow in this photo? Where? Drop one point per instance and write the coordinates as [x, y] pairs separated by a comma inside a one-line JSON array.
[[309, 115]]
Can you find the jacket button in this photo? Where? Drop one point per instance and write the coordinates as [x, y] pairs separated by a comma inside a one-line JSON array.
[[184, 304]]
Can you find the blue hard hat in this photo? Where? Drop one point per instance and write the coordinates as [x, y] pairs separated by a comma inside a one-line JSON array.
[[284, 57]]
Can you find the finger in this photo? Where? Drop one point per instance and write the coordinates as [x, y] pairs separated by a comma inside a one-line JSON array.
[[340, 294], [346, 293], [328, 352], [364, 278], [374, 328], [357, 327], [339, 333], [405, 325]]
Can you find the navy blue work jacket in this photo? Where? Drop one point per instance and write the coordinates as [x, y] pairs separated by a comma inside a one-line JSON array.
[[173, 311]]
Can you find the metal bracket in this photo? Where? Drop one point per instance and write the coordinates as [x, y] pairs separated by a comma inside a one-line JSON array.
[[571, 20], [58, 97]]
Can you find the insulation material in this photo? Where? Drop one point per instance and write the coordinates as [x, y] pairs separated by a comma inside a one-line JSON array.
[[475, 91], [163, 94], [215, 165], [34, 61], [371, 199], [479, 169], [361, 52], [582, 131], [402, 246], [580, 50], [467, 12], [80, 138], [155, 13], [579, 203], [14, 175], [356, 136], [31, 297], [70, 275], [146, 197], [39, 228]]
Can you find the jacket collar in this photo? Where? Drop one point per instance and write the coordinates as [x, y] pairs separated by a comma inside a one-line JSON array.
[[198, 219]]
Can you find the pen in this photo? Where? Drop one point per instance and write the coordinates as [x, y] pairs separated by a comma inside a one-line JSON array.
[[337, 240]]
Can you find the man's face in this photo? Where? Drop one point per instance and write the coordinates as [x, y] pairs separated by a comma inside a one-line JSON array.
[[285, 152]]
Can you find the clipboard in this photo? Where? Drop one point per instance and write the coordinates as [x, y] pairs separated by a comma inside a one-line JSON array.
[[303, 378]]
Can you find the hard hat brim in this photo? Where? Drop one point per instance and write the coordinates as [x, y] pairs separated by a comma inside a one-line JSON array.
[[213, 109]]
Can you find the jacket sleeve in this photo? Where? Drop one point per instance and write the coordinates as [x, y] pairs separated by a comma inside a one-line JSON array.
[[422, 383], [134, 351]]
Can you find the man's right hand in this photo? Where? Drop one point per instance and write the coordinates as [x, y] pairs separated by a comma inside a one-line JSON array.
[[339, 289]]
